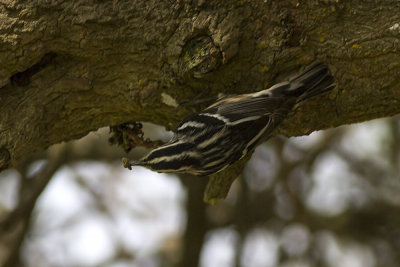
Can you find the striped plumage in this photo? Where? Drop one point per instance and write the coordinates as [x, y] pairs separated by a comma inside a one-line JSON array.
[[209, 141]]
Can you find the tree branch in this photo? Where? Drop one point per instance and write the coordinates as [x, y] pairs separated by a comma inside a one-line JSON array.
[[67, 68]]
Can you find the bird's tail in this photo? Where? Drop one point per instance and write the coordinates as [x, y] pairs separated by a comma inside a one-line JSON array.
[[315, 80]]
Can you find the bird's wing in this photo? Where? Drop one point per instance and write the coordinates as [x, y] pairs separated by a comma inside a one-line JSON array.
[[247, 115], [241, 107]]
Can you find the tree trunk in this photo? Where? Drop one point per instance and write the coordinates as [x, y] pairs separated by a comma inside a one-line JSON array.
[[70, 67]]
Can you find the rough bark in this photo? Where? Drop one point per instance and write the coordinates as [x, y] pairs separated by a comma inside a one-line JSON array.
[[70, 67]]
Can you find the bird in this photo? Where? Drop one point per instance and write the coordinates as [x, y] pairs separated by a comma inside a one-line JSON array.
[[209, 141]]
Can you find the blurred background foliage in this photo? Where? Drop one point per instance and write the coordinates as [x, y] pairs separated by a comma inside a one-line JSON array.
[[329, 199]]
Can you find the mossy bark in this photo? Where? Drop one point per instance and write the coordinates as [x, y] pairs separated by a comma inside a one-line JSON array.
[[71, 67]]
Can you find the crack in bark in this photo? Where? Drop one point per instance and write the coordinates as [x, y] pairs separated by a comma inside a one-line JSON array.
[[4, 158], [23, 78]]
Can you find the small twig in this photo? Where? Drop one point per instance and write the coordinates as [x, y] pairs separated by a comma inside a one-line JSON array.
[[219, 183]]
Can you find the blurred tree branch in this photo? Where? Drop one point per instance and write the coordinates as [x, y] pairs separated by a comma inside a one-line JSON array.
[[197, 224], [14, 226]]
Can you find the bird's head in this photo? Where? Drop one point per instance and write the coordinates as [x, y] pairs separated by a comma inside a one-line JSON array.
[[175, 156]]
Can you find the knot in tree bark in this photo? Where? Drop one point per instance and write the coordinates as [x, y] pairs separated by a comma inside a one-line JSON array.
[[199, 56]]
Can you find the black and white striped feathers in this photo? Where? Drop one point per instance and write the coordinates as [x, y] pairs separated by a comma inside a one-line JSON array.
[[209, 141]]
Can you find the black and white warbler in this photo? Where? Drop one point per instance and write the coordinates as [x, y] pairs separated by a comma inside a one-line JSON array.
[[210, 140]]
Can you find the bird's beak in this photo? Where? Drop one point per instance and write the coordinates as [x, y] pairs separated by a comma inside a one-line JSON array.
[[128, 164]]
